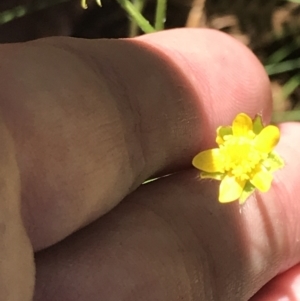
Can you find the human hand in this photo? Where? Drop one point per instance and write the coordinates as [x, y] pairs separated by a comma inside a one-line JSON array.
[[86, 122]]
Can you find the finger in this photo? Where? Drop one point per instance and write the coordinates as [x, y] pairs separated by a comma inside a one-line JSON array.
[[92, 120], [285, 287], [16, 264], [172, 240]]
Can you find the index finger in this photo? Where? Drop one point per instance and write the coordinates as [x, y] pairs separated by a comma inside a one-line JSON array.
[[92, 120]]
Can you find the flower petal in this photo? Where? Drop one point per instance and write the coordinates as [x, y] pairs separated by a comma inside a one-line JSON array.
[[241, 125], [267, 138], [262, 180], [230, 189], [209, 161], [223, 131]]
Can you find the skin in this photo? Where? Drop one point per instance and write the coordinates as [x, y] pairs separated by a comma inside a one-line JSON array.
[[84, 123]]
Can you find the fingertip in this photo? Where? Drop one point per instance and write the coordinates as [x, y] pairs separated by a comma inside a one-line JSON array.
[[285, 287], [227, 77]]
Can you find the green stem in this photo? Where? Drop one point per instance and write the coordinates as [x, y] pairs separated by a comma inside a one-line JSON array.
[[23, 10], [133, 27], [160, 15], [282, 53], [286, 116], [290, 86], [283, 66], [136, 15]]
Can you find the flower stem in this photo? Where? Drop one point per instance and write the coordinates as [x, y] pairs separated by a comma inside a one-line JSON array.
[[136, 15], [160, 16], [133, 27]]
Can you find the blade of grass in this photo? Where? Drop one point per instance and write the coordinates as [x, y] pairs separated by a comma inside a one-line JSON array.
[[131, 10], [286, 116], [283, 66], [133, 27], [23, 10], [160, 15], [282, 53], [290, 86], [154, 179]]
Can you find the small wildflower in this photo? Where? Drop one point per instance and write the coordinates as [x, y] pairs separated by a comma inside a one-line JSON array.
[[244, 160], [84, 5]]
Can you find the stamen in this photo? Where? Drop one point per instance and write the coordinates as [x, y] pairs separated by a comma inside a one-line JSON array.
[[240, 156]]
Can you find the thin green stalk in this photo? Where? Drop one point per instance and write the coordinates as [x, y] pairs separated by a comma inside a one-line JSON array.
[[133, 27], [290, 86], [154, 179], [160, 15], [282, 53], [283, 66], [136, 15], [286, 116], [23, 10]]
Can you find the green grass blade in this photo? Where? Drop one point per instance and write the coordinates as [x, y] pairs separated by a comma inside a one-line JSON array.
[[283, 66], [133, 12], [290, 86], [133, 27], [286, 116], [282, 53], [23, 10], [160, 15]]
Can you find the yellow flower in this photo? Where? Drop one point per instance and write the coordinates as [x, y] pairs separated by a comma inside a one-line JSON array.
[[244, 160], [84, 5]]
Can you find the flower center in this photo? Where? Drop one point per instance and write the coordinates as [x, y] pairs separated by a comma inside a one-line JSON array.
[[240, 156]]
